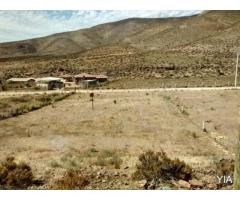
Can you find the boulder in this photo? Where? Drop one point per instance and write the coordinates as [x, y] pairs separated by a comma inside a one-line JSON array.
[[183, 184], [143, 184], [212, 186], [196, 183]]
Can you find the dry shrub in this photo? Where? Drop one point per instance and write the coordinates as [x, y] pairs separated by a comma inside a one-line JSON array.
[[159, 166], [107, 158], [225, 167], [15, 175], [72, 180]]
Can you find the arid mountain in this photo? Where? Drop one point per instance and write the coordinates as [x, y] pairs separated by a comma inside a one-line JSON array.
[[199, 46], [209, 28]]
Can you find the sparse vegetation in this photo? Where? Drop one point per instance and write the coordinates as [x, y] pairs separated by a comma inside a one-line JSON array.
[[225, 167], [72, 180], [107, 158], [14, 106], [15, 175], [167, 98], [68, 161], [159, 166]]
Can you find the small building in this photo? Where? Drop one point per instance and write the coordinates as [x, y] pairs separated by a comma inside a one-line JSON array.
[[83, 76], [68, 78], [50, 83], [101, 78], [89, 83], [21, 82]]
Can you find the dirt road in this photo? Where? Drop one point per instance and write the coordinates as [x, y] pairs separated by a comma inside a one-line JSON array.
[[118, 90]]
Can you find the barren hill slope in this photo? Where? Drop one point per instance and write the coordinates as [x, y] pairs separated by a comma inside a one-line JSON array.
[[143, 34], [196, 50]]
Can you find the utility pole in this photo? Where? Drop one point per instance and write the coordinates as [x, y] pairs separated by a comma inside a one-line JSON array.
[[236, 71]]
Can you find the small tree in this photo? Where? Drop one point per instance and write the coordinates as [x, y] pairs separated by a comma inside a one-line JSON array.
[[237, 164], [92, 98]]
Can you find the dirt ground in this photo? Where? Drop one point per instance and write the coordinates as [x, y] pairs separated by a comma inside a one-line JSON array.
[[126, 124]]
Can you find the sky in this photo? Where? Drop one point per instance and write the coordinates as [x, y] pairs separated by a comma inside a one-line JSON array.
[[20, 25]]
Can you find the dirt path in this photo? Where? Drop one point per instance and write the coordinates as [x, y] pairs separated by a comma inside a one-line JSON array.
[[118, 90]]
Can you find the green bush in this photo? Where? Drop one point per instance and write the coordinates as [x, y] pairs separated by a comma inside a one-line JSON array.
[[159, 166], [15, 175]]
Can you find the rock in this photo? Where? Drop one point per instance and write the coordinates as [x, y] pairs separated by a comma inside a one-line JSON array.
[[211, 186], [153, 184], [164, 188], [99, 174], [196, 183], [143, 184], [116, 174], [126, 167], [183, 184]]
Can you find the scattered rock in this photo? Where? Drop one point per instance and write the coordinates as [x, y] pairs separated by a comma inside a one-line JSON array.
[[211, 186], [143, 184], [183, 184], [196, 183], [116, 174], [164, 188], [99, 174]]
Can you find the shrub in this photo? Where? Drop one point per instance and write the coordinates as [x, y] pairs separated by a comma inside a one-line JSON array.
[[15, 176], [167, 98], [160, 166], [72, 180], [107, 158], [101, 161], [116, 161], [225, 167]]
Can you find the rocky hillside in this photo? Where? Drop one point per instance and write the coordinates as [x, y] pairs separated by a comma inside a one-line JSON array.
[[197, 46]]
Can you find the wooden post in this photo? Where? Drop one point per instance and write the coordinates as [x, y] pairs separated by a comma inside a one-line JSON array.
[[236, 71], [182, 109], [203, 127], [92, 96]]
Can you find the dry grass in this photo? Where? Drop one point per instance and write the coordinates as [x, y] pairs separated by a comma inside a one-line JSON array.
[[109, 158]]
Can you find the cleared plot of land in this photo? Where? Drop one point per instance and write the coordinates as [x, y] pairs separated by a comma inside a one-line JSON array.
[[126, 123]]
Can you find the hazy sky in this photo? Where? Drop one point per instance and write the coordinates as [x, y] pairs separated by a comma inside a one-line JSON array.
[[19, 25]]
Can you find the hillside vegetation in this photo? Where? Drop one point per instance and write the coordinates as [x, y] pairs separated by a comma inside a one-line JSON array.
[[173, 48]]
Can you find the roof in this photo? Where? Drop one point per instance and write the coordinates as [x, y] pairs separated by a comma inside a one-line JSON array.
[[66, 76], [49, 79], [82, 75], [85, 75], [101, 76], [20, 79]]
